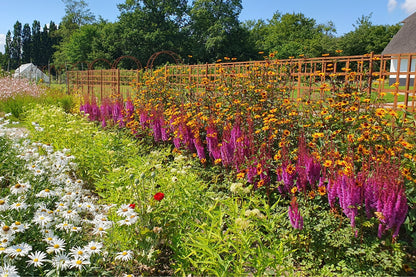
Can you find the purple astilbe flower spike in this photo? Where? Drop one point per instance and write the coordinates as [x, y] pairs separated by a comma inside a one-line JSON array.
[[313, 170], [350, 196], [288, 176], [144, 119], [296, 220], [212, 143], [200, 149], [332, 192], [157, 134], [95, 113], [226, 148]]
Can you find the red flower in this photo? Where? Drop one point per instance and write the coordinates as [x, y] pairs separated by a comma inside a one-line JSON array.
[[132, 205], [159, 196]]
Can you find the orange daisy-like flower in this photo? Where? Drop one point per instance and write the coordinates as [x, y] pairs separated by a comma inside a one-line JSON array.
[[322, 190], [260, 183], [318, 135], [311, 194], [290, 169], [294, 189], [240, 175], [327, 163]]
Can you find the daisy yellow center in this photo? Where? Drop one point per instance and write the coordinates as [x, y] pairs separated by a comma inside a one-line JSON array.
[[47, 190], [56, 246], [124, 253], [18, 186], [2, 202], [69, 211], [18, 205], [125, 210], [93, 247], [41, 218], [17, 223], [49, 239], [36, 260], [80, 252], [100, 229], [18, 250], [2, 248], [79, 262], [6, 228]]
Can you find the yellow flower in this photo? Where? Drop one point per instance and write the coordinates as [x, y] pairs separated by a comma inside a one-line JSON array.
[[327, 163], [294, 189], [318, 135], [322, 190]]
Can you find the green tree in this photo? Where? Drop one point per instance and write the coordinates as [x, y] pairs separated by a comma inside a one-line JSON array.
[[366, 37], [216, 31], [16, 45], [149, 26], [8, 50], [77, 14], [26, 43], [293, 34], [36, 54]]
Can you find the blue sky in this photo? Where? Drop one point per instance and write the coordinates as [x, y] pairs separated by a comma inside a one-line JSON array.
[[342, 13]]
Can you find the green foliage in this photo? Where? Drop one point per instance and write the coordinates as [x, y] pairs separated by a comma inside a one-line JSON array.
[[10, 166], [233, 235], [366, 37]]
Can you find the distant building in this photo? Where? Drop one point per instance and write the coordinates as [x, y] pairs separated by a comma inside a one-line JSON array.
[[31, 72], [404, 42]]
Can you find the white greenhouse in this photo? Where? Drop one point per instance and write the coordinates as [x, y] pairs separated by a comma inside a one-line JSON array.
[[31, 72]]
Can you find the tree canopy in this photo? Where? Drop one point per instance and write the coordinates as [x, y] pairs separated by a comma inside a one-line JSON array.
[[199, 31]]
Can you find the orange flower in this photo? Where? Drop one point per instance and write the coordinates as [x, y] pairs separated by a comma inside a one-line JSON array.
[[290, 169], [294, 189], [322, 190], [240, 175], [327, 163], [312, 194]]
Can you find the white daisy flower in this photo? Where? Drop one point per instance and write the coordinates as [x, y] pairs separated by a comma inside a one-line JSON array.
[[43, 220], [20, 187], [64, 226], [124, 210], [78, 251], [57, 245], [79, 262], [100, 229], [37, 259], [18, 227], [125, 255], [61, 261], [19, 250], [94, 247], [8, 270], [18, 206], [49, 238], [46, 193], [6, 230], [70, 215], [7, 239], [3, 205]]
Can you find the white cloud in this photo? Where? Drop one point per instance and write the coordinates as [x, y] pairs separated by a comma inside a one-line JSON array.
[[409, 6], [2, 42], [391, 5]]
